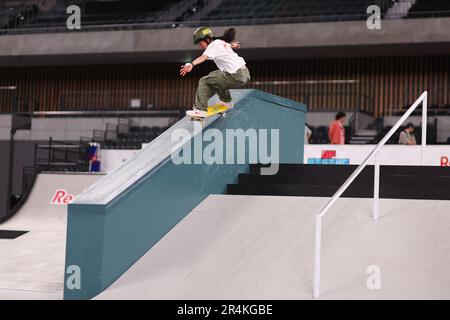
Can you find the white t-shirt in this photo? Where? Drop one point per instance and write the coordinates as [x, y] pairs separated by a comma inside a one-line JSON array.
[[307, 133], [224, 56]]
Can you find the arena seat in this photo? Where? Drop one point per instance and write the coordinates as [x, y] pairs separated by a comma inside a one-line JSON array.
[[429, 8], [131, 14], [266, 11]]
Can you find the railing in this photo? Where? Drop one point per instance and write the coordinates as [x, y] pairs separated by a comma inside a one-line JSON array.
[[318, 235], [402, 10], [358, 121], [352, 124], [61, 156], [439, 97]]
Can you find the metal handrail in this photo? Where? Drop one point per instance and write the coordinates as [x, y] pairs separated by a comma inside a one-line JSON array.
[[318, 235]]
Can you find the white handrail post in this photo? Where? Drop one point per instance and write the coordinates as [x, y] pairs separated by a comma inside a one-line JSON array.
[[424, 125], [376, 190], [317, 252]]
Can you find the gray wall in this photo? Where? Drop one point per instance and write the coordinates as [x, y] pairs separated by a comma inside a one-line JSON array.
[[5, 126], [279, 41], [68, 128], [316, 119]]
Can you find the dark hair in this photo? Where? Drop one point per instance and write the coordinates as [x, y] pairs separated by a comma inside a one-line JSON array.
[[409, 125], [340, 115], [229, 35]]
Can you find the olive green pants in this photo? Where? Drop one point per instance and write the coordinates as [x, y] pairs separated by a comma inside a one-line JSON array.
[[219, 82]]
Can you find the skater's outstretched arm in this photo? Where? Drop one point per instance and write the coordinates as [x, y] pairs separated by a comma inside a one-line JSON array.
[[190, 65]]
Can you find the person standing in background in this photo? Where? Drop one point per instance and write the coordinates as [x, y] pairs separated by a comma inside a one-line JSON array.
[[336, 131], [407, 136], [308, 134]]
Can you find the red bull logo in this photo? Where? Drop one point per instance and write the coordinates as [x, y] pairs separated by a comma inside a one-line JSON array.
[[61, 197], [328, 157], [328, 154]]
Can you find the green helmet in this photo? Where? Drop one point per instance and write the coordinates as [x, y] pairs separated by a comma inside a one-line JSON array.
[[202, 33]]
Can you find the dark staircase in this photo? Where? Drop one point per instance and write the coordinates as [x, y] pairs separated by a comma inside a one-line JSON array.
[[396, 182]]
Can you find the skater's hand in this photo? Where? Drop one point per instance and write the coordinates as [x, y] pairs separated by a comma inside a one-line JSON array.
[[185, 69], [235, 44]]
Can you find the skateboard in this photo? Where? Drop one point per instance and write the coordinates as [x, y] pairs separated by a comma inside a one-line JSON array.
[[212, 110]]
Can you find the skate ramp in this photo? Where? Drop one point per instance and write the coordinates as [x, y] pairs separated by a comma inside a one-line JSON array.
[[123, 215], [261, 247], [32, 265]]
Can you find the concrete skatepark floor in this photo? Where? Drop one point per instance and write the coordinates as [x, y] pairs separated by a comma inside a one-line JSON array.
[[32, 265], [248, 247], [256, 247]]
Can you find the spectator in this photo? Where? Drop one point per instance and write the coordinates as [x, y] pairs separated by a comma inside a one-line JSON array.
[[308, 134], [407, 136], [336, 131]]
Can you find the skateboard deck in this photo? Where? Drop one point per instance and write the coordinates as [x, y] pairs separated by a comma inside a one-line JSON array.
[[212, 110]]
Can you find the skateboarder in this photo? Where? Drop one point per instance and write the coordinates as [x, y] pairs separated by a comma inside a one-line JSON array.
[[232, 73]]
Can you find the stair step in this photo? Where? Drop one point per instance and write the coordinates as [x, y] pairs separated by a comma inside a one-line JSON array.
[[301, 179], [354, 191], [416, 170], [348, 169], [397, 182], [336, 179], [311, 168], [299, 190]]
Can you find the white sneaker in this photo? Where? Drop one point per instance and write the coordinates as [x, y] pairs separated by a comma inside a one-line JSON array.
[[196, 113], [226, 104]]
